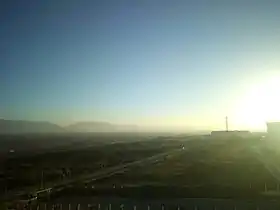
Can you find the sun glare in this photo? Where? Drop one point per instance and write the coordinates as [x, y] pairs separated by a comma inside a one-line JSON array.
[[260, 104]]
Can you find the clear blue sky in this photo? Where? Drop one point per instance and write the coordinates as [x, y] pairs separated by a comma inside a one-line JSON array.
[[159, 62]]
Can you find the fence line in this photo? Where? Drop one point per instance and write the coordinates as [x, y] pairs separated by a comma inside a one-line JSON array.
[[109, 206]]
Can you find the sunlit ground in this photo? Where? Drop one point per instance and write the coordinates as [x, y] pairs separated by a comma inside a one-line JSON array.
[[260, 104]]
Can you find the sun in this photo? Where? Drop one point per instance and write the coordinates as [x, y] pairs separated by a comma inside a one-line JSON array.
[[260, 104]]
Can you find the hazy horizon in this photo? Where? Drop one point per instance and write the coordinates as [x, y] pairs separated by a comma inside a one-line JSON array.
[[146, 63], [143, 128]]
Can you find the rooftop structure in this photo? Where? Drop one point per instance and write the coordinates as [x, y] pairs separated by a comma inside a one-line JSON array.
[[238, 133]]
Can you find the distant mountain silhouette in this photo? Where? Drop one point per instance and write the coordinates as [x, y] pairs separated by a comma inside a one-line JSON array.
[[100, 127], [22, 126]]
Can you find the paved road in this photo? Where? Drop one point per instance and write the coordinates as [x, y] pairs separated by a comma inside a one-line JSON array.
[[269, 164], [107, 172]]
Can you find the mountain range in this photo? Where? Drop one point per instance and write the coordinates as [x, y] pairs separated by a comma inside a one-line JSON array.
[[22, 126]]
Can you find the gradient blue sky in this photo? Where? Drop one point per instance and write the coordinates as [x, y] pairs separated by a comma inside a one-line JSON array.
[[160, 62]]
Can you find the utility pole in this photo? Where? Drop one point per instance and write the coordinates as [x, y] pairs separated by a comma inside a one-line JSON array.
[[42, 179]]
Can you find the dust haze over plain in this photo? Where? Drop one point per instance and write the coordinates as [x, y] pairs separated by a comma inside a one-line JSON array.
[[44, 127]]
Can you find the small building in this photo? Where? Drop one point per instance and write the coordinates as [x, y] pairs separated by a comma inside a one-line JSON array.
[[273, 130]]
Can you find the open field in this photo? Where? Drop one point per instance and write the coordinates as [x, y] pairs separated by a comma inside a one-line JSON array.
[[26, 144], [190, 167], [217, 169], [75, 158]]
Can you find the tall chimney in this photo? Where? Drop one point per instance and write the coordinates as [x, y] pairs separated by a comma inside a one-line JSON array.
[[226, 123]]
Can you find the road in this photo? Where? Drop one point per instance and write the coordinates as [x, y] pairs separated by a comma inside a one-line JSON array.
[[103, 173], [269, 164]]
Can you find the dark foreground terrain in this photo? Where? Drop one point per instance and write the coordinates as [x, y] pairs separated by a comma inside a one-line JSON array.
[[118, 203], [60, 160], [184, 172], [216, 169]]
